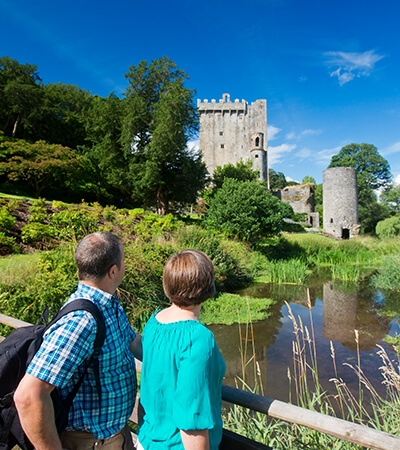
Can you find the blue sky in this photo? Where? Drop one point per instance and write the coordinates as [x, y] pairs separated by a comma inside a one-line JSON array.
[[330, 70]]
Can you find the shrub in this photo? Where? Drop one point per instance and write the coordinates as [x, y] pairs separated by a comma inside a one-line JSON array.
[[388, 227], [389, 274], [8, 245], [246, 210], [37, 213], [59, 205], [7, 221], [39, 234], [73, 225]]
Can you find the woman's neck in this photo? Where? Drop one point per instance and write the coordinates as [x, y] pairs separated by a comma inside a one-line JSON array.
[[176, 313]]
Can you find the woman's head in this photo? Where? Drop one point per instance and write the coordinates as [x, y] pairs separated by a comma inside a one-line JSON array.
[[188, 278]]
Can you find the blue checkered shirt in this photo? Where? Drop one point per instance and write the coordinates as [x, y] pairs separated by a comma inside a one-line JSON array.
[[62, 356]]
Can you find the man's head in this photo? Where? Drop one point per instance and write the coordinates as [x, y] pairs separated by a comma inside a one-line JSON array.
[[96, 254], [188, 278]]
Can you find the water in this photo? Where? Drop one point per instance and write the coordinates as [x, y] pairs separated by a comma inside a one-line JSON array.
[[337, 310]]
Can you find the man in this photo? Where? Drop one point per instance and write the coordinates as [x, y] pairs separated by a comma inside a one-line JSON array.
[[66, 347]]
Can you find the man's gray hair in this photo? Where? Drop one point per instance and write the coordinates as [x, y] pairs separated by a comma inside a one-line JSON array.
[[96, 253]]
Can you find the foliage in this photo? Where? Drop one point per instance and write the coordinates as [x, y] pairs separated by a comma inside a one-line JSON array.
[[232, 308], [391, 198], [7, 221], [20, 97], [242, 171], [370, 165], [388, 276], [41, 166], [246, 210], [159, 117], [284, 271], [154, 225], [308, 179], [388, 227], [38, 234], [74, 225], [277, 180], [8, 244]]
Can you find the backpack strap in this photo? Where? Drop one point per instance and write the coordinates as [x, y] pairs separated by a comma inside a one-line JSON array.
[[86, 305]]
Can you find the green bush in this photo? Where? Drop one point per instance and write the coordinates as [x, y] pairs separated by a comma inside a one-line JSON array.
[[59, 205], [153, 224], [388, 227], [246, 210], [388, 276], [74, 225], [39, 234], [7, 221], [37, 213], [8, 245]]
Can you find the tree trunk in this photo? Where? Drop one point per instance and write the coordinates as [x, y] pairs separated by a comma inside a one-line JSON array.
[[162, 202], [15, 127]]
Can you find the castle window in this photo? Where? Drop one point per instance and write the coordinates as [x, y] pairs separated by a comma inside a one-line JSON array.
[[257, 141], [222, 145], [255, 156], [331, 220], [221, 133]]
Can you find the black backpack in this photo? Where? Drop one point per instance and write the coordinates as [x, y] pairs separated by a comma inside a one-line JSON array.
[[17, 351]]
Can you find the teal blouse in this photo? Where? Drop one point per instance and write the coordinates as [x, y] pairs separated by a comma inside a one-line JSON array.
[[181, 383]]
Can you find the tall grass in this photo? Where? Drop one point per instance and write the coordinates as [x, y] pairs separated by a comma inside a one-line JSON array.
[[292, 271], [383, 413]]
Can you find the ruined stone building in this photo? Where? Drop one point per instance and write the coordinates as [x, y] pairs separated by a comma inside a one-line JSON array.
[[340, 199], [301, 199], [231, 131]]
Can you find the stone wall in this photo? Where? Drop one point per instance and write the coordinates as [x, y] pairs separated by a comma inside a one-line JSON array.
[[226, 129], [340, 199], [299, 197]]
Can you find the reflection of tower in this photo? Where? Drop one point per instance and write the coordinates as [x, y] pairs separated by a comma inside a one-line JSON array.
[[258, 154], [340, 317]]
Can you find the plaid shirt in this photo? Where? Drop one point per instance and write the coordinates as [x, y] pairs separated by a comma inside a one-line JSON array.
[[61, 360]]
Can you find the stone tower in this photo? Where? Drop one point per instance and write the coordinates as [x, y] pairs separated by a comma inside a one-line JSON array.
[[231, 131], [340, 202]]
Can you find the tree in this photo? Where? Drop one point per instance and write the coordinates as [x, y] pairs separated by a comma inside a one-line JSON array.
[[370, 165], [308, 179], [247, 210], [391, 198], [20, 96], [40, 165], [159, 118], [277, 180]]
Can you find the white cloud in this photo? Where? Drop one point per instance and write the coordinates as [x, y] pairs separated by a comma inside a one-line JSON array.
[[272, 132], [310, 132], [304, 153], [291, 135], [324, 157], [397, 179], [392, 149], [194, 146], [347, 66], [276, 153]]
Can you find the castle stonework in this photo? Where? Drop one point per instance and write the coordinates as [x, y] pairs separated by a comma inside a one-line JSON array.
[[340, 199], [233, 131]]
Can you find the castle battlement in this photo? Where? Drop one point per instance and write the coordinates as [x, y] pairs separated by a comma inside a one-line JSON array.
[[223, 104]]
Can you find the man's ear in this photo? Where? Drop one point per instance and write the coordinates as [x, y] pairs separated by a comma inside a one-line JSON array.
[[112, 271]]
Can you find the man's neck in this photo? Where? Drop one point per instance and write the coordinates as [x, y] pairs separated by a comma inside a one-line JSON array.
[[99, 284]]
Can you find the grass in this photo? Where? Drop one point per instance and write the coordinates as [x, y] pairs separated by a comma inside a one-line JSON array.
[[228, 309], [17, 268], [17, 197]]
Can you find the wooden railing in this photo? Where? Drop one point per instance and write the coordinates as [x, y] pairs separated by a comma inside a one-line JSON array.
[[342, 429]]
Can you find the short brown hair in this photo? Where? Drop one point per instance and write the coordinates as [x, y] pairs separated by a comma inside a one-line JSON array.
[[188, 278], [96, 253]]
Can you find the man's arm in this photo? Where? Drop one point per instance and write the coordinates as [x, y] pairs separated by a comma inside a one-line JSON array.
[[195, 439], [36, 413], [136, 347]]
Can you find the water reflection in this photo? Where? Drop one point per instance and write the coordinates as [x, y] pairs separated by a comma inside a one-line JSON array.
[[337, 310]]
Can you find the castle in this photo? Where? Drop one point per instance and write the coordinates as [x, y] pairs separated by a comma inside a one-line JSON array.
[[231, 131]]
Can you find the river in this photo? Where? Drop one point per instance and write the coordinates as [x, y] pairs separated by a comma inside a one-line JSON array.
[[333, 310]]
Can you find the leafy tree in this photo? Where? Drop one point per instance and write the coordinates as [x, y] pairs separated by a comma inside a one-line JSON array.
[[308, 179], [159, 118], [247, 210], [277, 180], [370, 165], [388, 227], [391, 198], [20, 96], [40, 165], [318, 195], [63, 115]]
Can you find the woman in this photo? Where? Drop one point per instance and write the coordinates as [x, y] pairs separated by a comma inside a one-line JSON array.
[[182, 367]]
